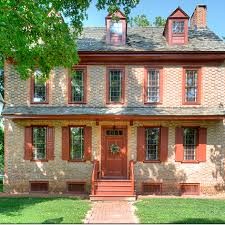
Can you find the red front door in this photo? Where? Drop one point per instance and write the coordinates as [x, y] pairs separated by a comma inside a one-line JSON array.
[[114, 152]]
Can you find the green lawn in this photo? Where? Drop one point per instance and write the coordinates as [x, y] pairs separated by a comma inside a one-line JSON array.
[[165, 210], [42, 210]]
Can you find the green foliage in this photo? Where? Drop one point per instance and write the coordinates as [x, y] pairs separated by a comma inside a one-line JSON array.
[[159, 21], [139, 21], [34, 34], [1, 150], [183, 211], [43, 210]]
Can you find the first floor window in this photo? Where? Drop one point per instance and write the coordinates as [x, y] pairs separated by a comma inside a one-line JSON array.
[[190, 143], [77, 86], [191, 85], [178, 27], [115, 86], [39, 88], [153, 86], [152, 137], [76, 143], [39, 143]]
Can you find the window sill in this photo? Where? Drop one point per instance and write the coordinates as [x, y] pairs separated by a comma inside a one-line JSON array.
[[151, 161], [190, 161], [153, 103], [178, 34], [77, 160], [114, 103], [191, 103], [77, 103]]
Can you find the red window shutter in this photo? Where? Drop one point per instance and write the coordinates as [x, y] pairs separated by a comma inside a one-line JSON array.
[[65, 143], [164, 144], [50, 143], [87, 142], [179, 144], [140, 144], [202, 145], [28, 147]]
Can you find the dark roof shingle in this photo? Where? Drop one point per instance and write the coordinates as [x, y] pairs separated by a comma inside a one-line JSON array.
[[149, 39]]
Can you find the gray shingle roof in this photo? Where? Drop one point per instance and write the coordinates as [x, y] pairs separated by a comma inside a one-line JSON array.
[[149, 39], [134, 111]]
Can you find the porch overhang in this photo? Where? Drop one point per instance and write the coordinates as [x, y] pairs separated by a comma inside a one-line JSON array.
[[113, 113]]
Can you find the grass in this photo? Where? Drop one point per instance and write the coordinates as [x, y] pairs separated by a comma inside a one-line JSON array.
[[42, 210], [181, 211]]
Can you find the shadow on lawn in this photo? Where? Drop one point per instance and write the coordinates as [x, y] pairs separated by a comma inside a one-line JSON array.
[[199, 221], [55, 220], [11, 206]]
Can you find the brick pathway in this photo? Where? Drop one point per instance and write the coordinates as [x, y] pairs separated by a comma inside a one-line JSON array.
[[112, 212]]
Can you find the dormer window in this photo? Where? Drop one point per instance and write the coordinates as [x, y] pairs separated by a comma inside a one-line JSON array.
[[116, 29], [178, 27]]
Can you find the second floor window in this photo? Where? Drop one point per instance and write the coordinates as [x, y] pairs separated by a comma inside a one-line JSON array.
[[77, 86], [190, 143], [39, 88], [115, 86], [178, 27], [39, 143], [152, 138], [76, 143], [191, 86], [152, 86]]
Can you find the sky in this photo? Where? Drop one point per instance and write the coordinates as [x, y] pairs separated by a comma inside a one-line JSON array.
[[153, 8]]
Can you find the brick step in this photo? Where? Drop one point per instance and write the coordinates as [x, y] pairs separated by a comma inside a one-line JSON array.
[[113, 183], [114, 188], [112, 198], [113, 193]]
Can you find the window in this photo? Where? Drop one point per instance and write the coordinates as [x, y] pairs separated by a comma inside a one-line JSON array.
[[76, 143], [152, 188], [152, 86], [190, 143], [178, 27], [39, 88], [39, 143], [190, 189], [77, 86], [152, 143], [39, 186], [191, 86], [76, 187], [116, 32], [115, 86]]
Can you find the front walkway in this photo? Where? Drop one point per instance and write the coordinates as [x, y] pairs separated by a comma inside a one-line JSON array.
[[112, 212]]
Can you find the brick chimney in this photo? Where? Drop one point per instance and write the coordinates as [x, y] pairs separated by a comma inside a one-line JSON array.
[[199, 17]]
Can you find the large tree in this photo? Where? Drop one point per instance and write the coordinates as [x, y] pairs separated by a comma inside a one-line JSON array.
[[33, 32], [159, 21], [139, 21]]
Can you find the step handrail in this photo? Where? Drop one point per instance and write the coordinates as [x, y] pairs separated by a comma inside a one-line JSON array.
[[132, 174], [94, 176]]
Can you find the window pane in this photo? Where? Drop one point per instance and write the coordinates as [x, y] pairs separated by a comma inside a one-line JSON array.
[[191, 86], [153, 86], [77, 84], [152, 143], [178, 26], [115, 86], [39, 88], [39, 143], [77, 143], [190, 143]]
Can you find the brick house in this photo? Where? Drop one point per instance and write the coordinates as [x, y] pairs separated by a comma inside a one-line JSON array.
[[143, 112]]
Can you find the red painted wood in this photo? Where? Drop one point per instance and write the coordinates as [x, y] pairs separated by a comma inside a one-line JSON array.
[[164, 144], [201, 156], [28, 147], [140, 144], [179, 149], [87, 142], [50, 143], [65, 143], [114, 165]]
